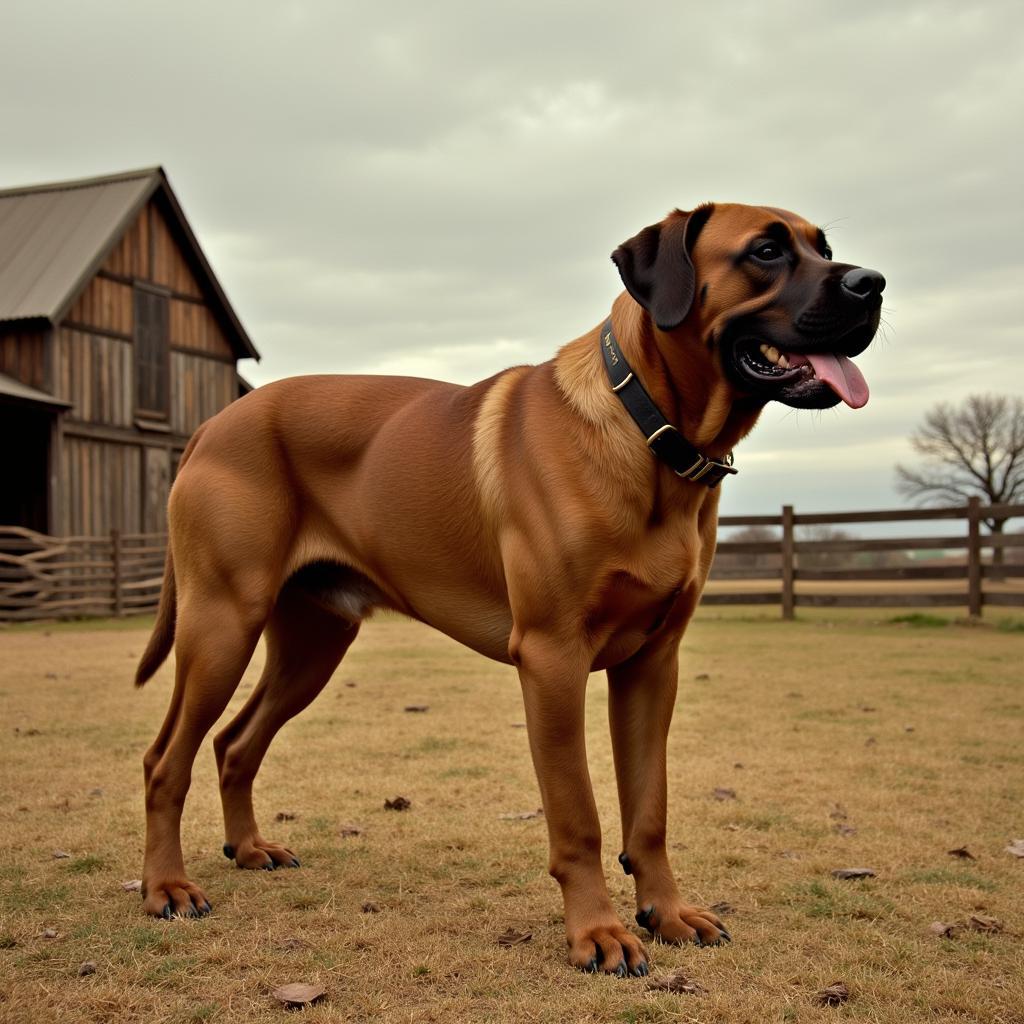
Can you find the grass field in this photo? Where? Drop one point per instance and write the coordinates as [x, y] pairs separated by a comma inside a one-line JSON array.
[[914, 729]]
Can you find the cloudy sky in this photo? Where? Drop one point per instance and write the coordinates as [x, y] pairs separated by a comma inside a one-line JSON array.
[[434, 188]]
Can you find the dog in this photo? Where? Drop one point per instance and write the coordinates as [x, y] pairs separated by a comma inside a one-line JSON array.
[[558, 517]]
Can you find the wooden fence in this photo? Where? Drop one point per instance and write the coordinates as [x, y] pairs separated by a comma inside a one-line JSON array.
[[45, 577], [968, 579]]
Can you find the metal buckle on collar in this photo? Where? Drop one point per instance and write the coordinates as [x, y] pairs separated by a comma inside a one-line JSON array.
[[710, 471]]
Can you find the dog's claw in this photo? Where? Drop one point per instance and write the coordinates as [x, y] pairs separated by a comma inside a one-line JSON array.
[[627, 865], [591, 967], [725, 935], [295, 863], [167, 913], [229, 851], [621, 971], [641, 970]]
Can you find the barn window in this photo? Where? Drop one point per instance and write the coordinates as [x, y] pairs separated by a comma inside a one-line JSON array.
[[152, 358]]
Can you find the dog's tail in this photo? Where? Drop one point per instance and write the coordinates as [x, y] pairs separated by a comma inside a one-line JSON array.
[[162, 640]]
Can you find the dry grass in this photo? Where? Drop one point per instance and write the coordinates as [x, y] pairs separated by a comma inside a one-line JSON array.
[[794, 704]]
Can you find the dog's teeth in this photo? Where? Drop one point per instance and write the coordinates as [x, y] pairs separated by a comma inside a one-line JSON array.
[[783, 362], [772, 353], [764, 348]]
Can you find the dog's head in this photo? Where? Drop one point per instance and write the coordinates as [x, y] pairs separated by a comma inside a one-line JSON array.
[[760, 288]]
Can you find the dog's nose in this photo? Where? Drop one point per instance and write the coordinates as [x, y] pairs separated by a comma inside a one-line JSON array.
[[863, 284]]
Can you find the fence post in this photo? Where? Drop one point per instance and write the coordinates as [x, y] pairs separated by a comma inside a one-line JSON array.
[[115, 559], [974, 557], [788, 600]]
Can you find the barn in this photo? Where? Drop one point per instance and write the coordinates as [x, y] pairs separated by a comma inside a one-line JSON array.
[[116, 342]]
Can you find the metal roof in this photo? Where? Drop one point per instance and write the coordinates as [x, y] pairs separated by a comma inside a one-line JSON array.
[[53, 239], [14, 390]]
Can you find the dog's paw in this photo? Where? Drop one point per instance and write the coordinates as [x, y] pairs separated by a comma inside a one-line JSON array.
[[681, 923], [608, 948], [174, 898], [259, 854]]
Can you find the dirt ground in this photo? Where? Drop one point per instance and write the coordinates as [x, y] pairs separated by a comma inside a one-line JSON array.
[[848, 739]]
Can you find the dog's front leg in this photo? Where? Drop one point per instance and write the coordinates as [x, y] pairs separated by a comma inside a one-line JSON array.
[[554, 679], [642, 693]]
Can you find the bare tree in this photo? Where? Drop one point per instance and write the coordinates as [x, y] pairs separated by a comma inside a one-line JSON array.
[[976, 448]]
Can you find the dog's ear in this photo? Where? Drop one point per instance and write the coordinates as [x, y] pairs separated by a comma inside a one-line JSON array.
[[656, 268]]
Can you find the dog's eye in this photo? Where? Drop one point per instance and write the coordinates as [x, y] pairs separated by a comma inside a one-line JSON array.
[[827, 253], [767, 252]]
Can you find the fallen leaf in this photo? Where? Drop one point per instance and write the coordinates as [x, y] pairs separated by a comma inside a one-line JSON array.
[[674, 981], [293, 942], [510, 937], [981, 923], [838, 812], [48, 933], [844, 830], [739, 764], [351, 686], [61, 855], [86, 968], [962, 852], [135, 885], [853, 873], [345, 831], [702, 677], [943, 929], [369, 907], [1016, 847], [285, 816], [908, 728], [417, 707], [298, 994], [400, 803], [723, 793], [722, 908], [835, 994], [522, 815]]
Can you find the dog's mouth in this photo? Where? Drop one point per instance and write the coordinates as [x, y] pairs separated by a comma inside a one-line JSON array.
[[808, 379]]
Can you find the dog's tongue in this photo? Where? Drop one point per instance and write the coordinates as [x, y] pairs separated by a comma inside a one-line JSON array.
[[840, 374]]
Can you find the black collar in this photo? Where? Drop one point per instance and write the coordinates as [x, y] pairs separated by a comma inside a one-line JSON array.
[[662, 437]]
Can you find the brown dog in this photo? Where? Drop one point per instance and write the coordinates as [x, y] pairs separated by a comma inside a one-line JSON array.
[[526, 516]]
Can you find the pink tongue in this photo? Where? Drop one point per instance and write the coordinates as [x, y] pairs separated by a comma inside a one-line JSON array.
[[839, 373]]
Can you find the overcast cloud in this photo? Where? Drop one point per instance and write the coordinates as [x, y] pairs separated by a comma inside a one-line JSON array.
[[434, 188]]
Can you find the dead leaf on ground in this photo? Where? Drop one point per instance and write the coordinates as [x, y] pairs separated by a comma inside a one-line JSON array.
[[847, 873], [722, 908], [61, 854], [86, 968], [419, 708], [369, 907], [1016, 847], [285, 816], [510, 937], [400, 803], [351, 686], [739, 764], [293, 942], [844, 830], [702, 677], [908, 728], [723, 793], [944, 929], [299, 994], [962, 852], [981, 923], [135, 885], [838, 813], [522, 815], [674, 981], [345, 831], [833, 995]]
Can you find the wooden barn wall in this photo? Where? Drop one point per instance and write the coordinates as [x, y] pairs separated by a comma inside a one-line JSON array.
[[23, 357], [106, 305], [102, 487], [94, 373], [149, 251], [201, 388]]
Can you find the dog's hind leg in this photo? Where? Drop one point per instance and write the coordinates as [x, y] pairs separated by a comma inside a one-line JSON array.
[[305, 643], [215, 638]]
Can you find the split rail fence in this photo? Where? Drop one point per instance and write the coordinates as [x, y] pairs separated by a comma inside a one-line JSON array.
[[43, 577]]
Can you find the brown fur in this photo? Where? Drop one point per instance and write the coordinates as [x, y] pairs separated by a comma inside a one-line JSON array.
[[524, 516]]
